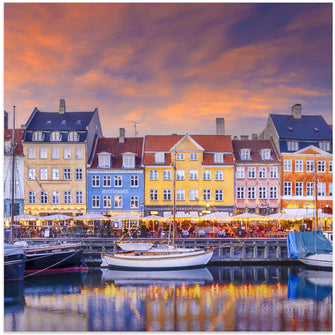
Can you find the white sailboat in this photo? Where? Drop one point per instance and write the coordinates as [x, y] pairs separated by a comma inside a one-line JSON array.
[[160, 257]]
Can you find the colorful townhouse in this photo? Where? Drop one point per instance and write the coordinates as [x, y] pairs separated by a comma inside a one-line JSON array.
[[257, 177], [115, 177], [18, 172], [305, 144], [195, 171], [56, 147]]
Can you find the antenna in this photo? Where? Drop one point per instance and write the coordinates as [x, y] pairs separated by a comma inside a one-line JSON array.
[[135, 123]]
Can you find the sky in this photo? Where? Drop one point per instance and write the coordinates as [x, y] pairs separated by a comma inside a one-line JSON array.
[[171, 67]]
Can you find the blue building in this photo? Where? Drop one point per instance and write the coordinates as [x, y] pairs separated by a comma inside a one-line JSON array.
[[115, 176]]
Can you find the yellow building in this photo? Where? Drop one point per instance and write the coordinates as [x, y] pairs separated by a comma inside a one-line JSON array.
[[56, 148], [197, 169]]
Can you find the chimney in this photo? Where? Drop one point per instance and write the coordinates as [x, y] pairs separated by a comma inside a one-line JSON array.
[[6, 120], [244, 137], [296, 111], [62, 108], [220, 126], [254, 136], [235, 138], [122, 135]]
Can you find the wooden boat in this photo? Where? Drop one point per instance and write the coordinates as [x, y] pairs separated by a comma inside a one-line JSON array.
[[14, 262]]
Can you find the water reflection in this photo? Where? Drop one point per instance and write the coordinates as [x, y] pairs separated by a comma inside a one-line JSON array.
[[208, 299]]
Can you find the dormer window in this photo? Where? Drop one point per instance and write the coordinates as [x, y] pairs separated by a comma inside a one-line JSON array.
[[292, 145], [37, 136], [324, 145], [78, 122], [159, 157], [63, 122], [266, 154], [218, 157], [73, 136], [104, 160], [128, 160], [55, 136], [245, 154]]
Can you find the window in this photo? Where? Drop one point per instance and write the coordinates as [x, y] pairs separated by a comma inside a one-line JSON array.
[[67, 197], [330, 190], [309, 189], [31, 153], [218, 195], [193, 156], [218, 157], [324, 145], [240, 193], [73, 136], [206, 195], [193, 174], [206, 175], [117, 181], [299, 189], [180, 174], [32, 197], [321, 189], [67, 153], [262, 172], [321, 166], [330, 166], [273, 172], [43, 153], [240, 172], [55, 174], [118, 201], [180, 195], [79, 197], [309, 166], [287, 188], [79, 153], [44, 197], [194, 195], [67, 174], [55, 197], [159, 157], [128, 161], [134, 182], [299, 165], [266, 154], [43, 174], [134, 202], [251, 172], [153, 175], [54, 153], [107, 201], [104, 161], [167, 195], [95, 201], [31, 174], [292, 145], [79, 174], [287, 165], [166, 174], [251, 193], [106, 181], [180, 156], [38, 136], [154, 195], [95, 181], [245, 154], [273, 192], [218, 175], [262, 192], [55, 136]]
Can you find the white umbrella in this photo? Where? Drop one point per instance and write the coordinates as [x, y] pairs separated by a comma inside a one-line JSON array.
[[25, 217], [126, 217], [153, 217], [216, 216], [55, 217], [247, 216], [91, 216]]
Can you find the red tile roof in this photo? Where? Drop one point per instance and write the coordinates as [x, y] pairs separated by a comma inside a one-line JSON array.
[[8, 133]]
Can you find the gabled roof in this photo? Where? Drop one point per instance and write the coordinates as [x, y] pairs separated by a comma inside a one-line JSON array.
[[116, 149], [309, 127], [8, 134], [255, 147], [311, 150]]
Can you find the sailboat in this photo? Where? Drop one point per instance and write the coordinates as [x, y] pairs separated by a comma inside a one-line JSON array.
[[161, 257]]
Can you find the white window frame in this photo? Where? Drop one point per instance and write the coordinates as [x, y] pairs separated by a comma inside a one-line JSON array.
[[134, 201], [31, 174], [180, 156], [167, 175], [31, 153], [106, 181], [206, 195], [153, 193], [117, 181], [167, 195], [66, 174], [128, 161], [206, 174], [240, 172], [310, 166], [73, 136], [240, 194], [330, 189], [299, 189], [79, 174], [79, 153], [104, 161], [134, 181], [262, 192], [292, 145], [44, 197], [159, 157], [79, 197], [67, 153], [219, 157], [38, 136], [55, 136], [193, 156], [287, 188], [325, 145], [273, 192], [54, 153], [180, 174], [299, 165], [107, 201], [32, 197], [287, 165], [218, 195], [251, 172], [245, 154], [153, 175], [180, 194], [43, 153], [309, 189], [262, 172], [95, 201], [218, 175], [321, 166], [55, 174], [273, 172], [55, 197], [251, 192], [193, 174], [43, 174], [194, 194], [321, 189], [96, 180], [266, 154]]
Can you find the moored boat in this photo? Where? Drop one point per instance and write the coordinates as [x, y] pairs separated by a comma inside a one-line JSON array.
[[14, 262]]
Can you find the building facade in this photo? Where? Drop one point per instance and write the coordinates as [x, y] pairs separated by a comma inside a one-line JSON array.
[[257, 177], [195, 170], [115, 178], [56, 147]]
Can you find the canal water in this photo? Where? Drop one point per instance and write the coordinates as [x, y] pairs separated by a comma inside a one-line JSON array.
[[264, 298]]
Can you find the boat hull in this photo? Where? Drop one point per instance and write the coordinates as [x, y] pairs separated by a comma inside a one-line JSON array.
[[14, 269], [158, 261], [318, 260]]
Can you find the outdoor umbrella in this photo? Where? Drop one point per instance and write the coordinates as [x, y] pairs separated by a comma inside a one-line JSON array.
[[91, 216], [153, 217], [25, 217], [55, 217]]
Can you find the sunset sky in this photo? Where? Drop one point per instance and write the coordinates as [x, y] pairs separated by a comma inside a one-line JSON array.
[[173, 67]]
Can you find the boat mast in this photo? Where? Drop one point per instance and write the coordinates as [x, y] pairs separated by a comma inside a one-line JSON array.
[[315, 195], [13, 177], [174, 199]]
